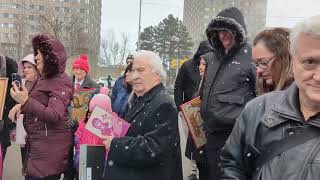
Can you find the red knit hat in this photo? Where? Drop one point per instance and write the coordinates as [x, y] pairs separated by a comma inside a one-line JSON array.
[[82, 63]]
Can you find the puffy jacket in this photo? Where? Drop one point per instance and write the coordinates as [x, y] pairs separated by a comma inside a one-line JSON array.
[[46, 114], [229, 80], [268, 118], [119, 97]]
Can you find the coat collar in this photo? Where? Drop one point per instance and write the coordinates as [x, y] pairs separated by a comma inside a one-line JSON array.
[[138, 103], [86, 81], [287, 106]]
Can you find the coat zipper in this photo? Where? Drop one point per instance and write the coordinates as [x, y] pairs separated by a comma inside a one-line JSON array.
[[45, 125]]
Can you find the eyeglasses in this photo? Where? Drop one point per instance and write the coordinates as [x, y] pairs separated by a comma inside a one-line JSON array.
[[264, 63]]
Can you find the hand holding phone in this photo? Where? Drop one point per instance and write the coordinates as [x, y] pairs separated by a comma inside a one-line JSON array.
[[16, 78]]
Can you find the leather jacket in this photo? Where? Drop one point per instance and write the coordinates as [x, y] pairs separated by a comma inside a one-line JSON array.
[[266, 119]]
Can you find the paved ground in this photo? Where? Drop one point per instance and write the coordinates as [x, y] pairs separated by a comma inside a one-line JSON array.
[[13, 165]]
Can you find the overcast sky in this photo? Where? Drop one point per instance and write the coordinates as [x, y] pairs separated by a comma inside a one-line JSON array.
[[123, 15]]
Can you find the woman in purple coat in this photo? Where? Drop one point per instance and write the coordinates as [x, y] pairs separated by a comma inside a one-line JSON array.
[[45, 110]]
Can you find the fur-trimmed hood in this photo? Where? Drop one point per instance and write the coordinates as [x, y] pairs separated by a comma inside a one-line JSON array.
[[230, 19], [53, 52]]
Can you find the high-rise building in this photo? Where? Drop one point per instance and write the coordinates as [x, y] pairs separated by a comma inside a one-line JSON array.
[[75, 22], [198, 13]]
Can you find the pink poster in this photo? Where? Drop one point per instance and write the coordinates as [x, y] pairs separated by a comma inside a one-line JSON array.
[[102, 123]]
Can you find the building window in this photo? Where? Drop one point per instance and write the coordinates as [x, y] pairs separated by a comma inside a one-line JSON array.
[[84, 11], [7, 15], [66, 9], [57, 9], [37, 7], [8, 5]]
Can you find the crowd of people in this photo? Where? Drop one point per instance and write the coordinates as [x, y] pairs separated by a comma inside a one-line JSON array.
[[260, 105]]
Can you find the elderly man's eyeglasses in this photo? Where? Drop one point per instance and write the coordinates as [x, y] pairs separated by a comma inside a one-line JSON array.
[[264, 63]]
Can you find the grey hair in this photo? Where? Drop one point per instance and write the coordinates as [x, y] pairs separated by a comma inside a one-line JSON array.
[[309, 26], [155, 62]]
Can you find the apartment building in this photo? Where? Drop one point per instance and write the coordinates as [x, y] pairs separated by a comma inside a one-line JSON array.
[[75, 22]]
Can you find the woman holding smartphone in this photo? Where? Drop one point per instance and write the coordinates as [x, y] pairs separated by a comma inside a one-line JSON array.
[[45, 109]]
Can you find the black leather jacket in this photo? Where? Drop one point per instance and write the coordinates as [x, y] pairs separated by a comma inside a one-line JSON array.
[[266, 119]]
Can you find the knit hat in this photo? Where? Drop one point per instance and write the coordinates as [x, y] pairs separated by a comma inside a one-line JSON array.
[[29, 58], [82, 63], [102, 100]]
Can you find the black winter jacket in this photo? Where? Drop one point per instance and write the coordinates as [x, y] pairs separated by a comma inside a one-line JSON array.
[[188, 76], [151, 148], [88, 83], [268, 118], [229, 80], [6, 124]]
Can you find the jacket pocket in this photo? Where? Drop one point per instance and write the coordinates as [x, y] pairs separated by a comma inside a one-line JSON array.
[[224, 110], [230, 99]]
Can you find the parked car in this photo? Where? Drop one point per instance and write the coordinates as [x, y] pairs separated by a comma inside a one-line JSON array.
[[103, 82]]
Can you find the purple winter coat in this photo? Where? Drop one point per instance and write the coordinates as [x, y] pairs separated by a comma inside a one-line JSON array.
[[46, 115]]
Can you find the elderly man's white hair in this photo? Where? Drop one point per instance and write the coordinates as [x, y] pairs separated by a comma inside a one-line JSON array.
[[309, 26], [156, 62]]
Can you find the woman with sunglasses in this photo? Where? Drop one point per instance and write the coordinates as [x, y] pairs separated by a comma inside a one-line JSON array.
[[271, 56]]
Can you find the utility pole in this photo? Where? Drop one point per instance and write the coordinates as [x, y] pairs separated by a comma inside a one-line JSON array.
[[138, 43]]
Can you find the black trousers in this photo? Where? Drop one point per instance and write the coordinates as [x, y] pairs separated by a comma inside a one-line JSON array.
[[215, 142], [204, 170]]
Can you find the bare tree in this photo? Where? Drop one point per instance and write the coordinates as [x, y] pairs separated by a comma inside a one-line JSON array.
[[64, 24], [112, 51], [104, 49], [21, 25], [124, 47], [115, 51]]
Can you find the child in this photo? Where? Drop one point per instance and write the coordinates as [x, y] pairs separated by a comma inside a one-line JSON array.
[[84, 136]]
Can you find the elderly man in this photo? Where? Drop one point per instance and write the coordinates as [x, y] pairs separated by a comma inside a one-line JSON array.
[[277, 136], [151, 148]]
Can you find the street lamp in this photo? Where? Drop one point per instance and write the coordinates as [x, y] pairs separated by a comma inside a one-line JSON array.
[[139, 27]]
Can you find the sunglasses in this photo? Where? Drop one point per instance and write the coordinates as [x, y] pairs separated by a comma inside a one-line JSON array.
[[264, 63]]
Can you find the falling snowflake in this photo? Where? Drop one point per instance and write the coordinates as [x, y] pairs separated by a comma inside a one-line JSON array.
[[126, 147], [110, 163], [153, 155], [246, 51]]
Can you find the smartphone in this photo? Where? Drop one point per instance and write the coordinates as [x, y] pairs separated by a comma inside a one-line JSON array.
[[16, 78]]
